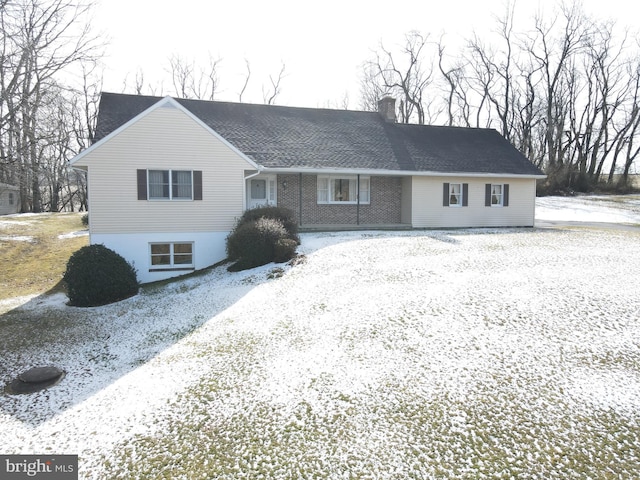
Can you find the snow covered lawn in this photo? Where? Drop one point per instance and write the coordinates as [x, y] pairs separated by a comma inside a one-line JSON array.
[[440, 354]]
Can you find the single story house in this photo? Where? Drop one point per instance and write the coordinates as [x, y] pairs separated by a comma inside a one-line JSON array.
[[168, 177], [9, 199]]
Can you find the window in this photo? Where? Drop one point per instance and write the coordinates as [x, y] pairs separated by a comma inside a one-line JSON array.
[[365, 187], [169, 184], [171, 256], [496, 195], [455, 194], [11, 198], [343, 190]]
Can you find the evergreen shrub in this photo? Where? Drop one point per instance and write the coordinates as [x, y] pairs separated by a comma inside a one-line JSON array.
[[263, 235], [96, 275], [284, 250], [285, 215], [252, 243]]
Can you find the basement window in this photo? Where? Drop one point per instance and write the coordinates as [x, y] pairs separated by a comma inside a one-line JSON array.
[[171, 256]]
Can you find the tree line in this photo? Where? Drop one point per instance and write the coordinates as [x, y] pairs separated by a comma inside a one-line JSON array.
[[564, 90], [43, 121], [50, 85]]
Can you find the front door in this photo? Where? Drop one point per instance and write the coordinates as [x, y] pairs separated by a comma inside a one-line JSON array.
[[261, 191]]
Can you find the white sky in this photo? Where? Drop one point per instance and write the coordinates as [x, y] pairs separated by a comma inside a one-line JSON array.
[[322, 44]]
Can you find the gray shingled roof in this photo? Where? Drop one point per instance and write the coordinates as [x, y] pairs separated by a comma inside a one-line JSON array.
[[302, 138]]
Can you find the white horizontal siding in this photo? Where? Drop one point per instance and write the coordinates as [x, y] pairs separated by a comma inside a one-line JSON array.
[[166, 138], [428, 211]]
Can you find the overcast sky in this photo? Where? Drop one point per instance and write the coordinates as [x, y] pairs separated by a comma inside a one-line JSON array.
[[323, 44]]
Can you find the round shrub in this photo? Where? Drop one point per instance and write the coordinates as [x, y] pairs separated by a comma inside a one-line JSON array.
[[85, 219], [96, 275], [284, 215], [252, 243]]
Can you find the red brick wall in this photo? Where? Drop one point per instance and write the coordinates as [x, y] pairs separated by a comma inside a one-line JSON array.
[[384, 207]]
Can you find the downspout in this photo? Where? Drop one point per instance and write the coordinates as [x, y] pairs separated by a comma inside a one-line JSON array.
[[358, 201], [300, 197]]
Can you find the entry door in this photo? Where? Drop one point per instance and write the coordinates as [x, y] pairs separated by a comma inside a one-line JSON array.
[[261, 192]]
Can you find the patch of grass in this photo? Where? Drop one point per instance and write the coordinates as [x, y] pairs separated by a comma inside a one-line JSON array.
[[37, 266], [617, 200], [390, 433], [22, 330]]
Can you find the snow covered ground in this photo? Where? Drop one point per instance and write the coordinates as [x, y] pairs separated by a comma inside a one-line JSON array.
[[589, 208], [485, 353]]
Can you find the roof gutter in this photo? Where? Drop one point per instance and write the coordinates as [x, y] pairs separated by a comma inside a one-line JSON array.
[[394, 173], [247, 177]]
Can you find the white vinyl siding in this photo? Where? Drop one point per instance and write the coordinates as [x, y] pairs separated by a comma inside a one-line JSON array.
[[166, 139], [427, 209]]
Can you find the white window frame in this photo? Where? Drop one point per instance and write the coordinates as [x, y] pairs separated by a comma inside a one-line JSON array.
[[326, 189], [499, 195], [172, 265], [171, 184], [460, 193]]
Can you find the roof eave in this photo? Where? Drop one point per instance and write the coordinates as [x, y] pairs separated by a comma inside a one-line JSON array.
[[166, 101], [395, 173]]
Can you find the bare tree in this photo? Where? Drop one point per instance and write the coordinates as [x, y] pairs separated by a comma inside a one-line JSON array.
[[595, 106], [553, 56], [191, 81], [405, 75], [626, 143], [528, 114], [274, 90], [41, 38], [181, 75], [457, 102], [246, 80], [140, 86], [494, 71], [371, 90]]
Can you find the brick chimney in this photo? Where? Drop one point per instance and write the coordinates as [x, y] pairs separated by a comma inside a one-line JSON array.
[[387, 108]]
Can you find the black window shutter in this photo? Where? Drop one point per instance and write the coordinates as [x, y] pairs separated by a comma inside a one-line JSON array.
[[505, 195], [465, 194], [445, 194], [142, 185], [197, 184], [487, 194]]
